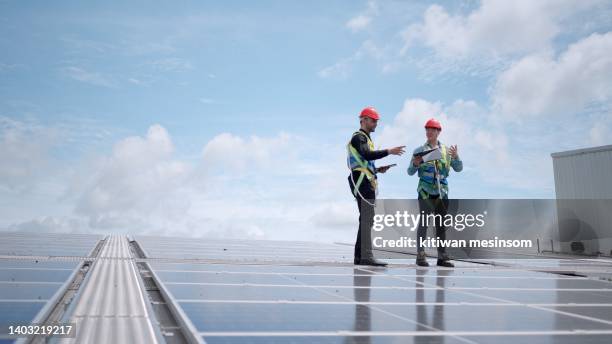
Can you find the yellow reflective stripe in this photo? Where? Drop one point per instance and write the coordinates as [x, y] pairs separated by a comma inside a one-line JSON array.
[[424, 194], [446, 162], [359, 181], [362, 163], [366, 171], [357, 156], [370, 143]]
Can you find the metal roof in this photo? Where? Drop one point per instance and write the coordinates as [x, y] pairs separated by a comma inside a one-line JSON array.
[[111, 306], [581, 151], [120, 289]]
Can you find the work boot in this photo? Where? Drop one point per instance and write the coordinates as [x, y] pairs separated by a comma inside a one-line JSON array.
[[370, 261], [421, 259], [444, 261]]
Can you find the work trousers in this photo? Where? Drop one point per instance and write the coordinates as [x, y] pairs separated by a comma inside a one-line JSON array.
[[432, 204], [363, 244]]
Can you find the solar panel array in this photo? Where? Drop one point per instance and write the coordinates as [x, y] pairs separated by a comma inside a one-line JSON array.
[[33, 270], [291, 293], [270, 291]]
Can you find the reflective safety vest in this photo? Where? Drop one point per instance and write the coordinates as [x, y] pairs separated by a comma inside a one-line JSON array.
[[427, 170], [357, 163]]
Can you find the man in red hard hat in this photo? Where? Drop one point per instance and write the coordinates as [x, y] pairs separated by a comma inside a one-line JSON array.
[[433, 187], [363, 183]]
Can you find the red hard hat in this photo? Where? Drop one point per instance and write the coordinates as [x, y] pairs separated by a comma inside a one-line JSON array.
[[433, 123], [370, 112]]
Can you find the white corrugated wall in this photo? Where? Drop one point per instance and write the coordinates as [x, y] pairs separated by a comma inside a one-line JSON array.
[[585, 174]]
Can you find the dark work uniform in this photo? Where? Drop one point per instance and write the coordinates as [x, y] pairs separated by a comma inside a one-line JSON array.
[[363, 245], [434, 205]]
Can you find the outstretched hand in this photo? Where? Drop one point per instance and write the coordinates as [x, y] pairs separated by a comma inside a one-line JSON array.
[[399, 150]]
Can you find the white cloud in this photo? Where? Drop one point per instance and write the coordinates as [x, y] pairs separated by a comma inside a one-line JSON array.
[[272, 187], [93, 78], [358, 23], [6, 67], [341, 215], [492, 155], [138, 182], [74, 44], [24, 159], [136, 81], [343, 68], [494, 28], [171, 64], [480, 42], [242, 187], [463, 123], [339, 70], [228, 151], [363, 20], [541, 84], [601, 133], [51, 224]]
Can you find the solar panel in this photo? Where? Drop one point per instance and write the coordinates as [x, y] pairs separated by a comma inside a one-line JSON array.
[[46, 244], [497, 317], [194, 277], [601, 311], [17, 312], [274, 317], [246, 293], [23, 291], [251, 268], [34, 275], [352, 281], [6, 341], [245, 250], [333, 339], [36, 264], [558, 337], [545, 296]]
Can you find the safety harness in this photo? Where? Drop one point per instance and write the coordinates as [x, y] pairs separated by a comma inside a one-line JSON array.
[[431, 172], [366, 168]]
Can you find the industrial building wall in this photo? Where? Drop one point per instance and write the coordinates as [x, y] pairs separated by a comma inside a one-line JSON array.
[[584, 193], [583, 173]]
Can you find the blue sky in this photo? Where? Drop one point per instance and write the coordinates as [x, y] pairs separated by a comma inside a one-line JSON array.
[[230, 119]]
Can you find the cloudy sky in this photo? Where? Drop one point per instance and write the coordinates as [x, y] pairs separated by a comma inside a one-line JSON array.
[[230, 119]]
